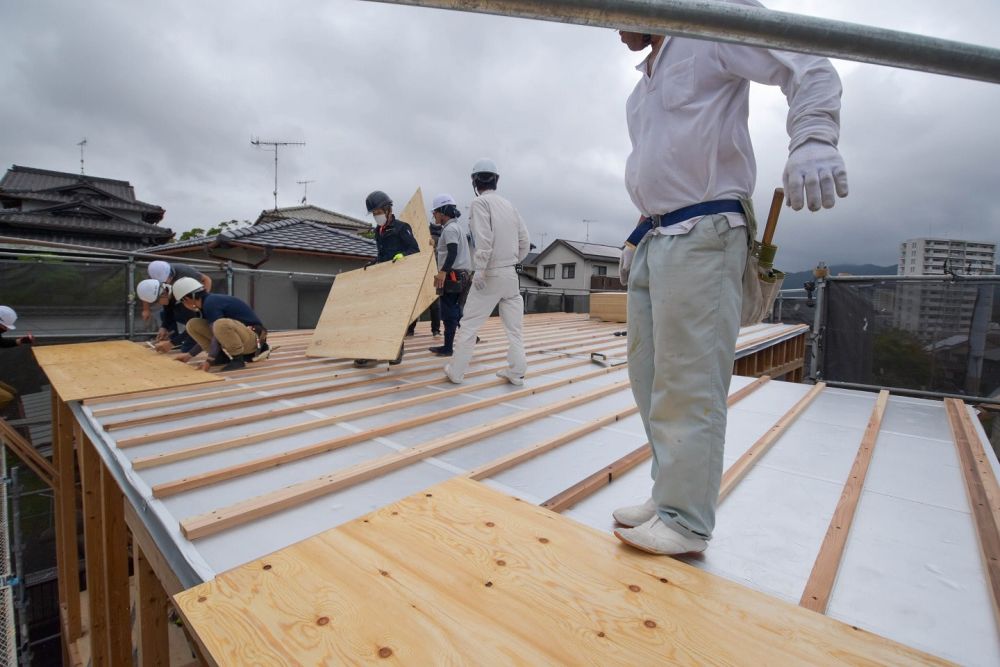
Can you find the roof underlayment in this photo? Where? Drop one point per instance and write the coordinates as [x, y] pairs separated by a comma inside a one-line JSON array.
[[911, 570]]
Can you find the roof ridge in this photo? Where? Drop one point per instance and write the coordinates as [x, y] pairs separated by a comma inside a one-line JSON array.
[[68, 174]]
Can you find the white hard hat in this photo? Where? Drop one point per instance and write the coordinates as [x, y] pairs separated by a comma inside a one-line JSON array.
[[159, 270], [8, 317], [442, 200], [186, 286], [149, 290], [485, 166]]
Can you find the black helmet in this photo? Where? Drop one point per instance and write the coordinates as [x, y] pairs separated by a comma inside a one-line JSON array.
[[377, 199]]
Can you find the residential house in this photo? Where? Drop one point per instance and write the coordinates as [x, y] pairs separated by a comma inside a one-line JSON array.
[[61, 207], [569, 265], [293, 249], [315, 214]]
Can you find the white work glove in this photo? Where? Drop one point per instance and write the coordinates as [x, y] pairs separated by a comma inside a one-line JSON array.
[[818, 168], [625, 263], [479, 280]]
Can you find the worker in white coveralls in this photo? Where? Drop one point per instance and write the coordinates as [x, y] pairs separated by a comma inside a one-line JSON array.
[[691, 174], [501, 243]]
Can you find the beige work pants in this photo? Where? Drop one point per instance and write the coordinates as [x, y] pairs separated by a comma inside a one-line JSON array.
[[234, 337]]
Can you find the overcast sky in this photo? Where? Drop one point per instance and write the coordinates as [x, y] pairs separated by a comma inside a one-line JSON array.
[[388, 97]]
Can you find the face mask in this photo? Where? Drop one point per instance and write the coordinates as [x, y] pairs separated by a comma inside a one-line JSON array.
[[380, 219]]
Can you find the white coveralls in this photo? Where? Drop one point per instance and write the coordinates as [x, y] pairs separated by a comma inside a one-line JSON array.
[[691, 144], [501, 241]]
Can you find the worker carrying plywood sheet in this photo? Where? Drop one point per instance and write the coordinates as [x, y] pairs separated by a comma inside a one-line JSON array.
[[394, 240], [691, 175], [227, 328], [501, 243]]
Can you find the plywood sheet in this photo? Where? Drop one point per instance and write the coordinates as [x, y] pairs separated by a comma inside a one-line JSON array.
[[463, 574], [609, 306], [368, 310], [90, 370]]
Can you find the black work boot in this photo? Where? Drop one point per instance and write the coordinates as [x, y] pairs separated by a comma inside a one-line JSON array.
[[399, 357]]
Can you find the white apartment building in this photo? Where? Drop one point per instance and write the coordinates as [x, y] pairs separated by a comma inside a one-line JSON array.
[[935, 312]]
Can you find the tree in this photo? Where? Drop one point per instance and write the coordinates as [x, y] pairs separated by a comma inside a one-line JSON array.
[[198, 232]]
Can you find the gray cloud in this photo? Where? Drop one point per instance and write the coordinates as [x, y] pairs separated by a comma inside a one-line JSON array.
[[390, 97]]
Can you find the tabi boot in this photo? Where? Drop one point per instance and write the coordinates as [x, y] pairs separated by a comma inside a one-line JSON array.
[[633, 515], [656, 537]]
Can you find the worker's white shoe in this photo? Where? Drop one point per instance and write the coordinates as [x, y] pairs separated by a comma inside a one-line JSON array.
[[633, 515], [516, 380], [451, 378], [656, 537]]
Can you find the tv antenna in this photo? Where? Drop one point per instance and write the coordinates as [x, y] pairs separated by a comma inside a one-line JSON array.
[[81, 144], [305, 189], [587, 222], [542, 236], [274, 145]]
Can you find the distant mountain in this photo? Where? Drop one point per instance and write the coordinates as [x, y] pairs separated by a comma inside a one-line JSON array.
[[799, 278]]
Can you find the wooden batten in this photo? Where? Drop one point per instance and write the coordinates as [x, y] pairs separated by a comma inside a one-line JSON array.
[[27, 454], [818, 588]]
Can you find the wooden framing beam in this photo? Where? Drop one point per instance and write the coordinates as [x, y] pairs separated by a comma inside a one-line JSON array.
[[983, 493], [25, 452], [188, 483], [116, 562], [291, 496], [67, 554], [93, 532], [816, 595], [742, 465], [151, 613]]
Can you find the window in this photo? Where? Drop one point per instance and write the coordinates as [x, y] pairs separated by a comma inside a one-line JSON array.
[[549, 271], [600, 270], [569, 271]]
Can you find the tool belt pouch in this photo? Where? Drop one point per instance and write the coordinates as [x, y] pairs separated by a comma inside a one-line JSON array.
[[760, 286], [455, 282]]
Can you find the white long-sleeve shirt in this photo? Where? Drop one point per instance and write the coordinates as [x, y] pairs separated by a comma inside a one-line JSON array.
[[688, 121], [500, 237]]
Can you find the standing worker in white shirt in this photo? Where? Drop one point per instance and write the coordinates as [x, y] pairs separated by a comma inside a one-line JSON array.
[[691, 174], [501, 243]]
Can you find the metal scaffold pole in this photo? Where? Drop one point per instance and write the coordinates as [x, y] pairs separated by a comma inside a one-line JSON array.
[[755, 26]]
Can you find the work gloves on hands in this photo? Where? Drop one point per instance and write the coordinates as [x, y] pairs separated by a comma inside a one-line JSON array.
[[479, 280], [625, 263], [818, 168]]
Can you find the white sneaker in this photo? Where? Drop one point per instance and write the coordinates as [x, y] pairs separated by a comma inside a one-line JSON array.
[[516, 380], [656, 537], [633, 515], [451, 378]]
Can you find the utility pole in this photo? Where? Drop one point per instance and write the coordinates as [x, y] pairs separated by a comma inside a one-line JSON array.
[[587, 222], [81, 144], [305, 189], [274, 146]]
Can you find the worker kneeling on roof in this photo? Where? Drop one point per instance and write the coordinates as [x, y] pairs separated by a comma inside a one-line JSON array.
[[227, 328]]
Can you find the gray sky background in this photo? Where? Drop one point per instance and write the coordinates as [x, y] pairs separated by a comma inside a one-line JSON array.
[[395, 98]]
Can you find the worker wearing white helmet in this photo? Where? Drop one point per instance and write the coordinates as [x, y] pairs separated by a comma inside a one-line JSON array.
[[454, 269], [691, 174], [227, 328], [167, 273], [7, 319], [172, 315], [501, 243]]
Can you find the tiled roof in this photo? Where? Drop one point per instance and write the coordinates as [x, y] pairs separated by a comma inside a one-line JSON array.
[[113, 242], [314, 213], [291, 234], [67, 224], [29, 179], [595, 250], [57, 197]]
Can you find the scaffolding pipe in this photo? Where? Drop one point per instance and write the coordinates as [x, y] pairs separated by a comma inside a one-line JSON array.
[[754, 26]]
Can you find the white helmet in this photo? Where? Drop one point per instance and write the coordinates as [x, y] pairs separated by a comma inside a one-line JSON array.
[[485, 166], [186, 287], [8, 317], [150, 290], [442, 200], [159, 270]]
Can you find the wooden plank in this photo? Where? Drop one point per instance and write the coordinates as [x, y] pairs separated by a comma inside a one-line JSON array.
[[742, 465], [295, 494], [461, 574], [151, 613], [818, 588], [368, 310], [67, 554], [93, 533], [609, 306], [980, 485], [27, 454], [416, 215], [87, 370], [116, 562], [333, 443]]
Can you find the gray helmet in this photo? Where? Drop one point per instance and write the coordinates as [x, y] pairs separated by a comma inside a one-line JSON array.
[[377, 199]]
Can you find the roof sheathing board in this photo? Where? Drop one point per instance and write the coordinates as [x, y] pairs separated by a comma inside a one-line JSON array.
[[769, 549]]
